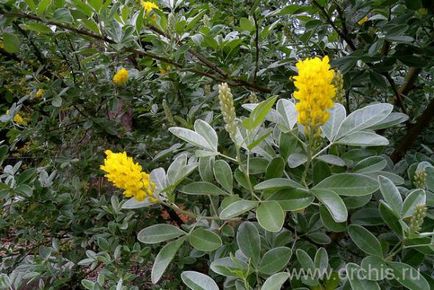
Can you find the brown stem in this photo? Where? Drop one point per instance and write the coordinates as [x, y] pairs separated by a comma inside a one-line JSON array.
[[342, 34], [398, 95], [409, 81], [408, 140]]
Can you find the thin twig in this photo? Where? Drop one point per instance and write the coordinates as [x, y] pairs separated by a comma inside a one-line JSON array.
[[255, 74]]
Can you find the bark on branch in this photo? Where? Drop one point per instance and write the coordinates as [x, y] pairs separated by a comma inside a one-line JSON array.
[[410, 138]]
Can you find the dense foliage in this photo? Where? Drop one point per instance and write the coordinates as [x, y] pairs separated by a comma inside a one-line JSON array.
[[217, 144]]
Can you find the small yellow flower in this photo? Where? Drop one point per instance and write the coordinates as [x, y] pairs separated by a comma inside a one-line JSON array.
[[148, 6], [363, 20], [39, 94], [124, 173], [121, 77], [18, 119], [315, 91]]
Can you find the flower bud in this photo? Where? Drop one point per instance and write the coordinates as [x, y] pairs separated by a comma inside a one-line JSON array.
[[420, 179], [228, 109], [416, 220]]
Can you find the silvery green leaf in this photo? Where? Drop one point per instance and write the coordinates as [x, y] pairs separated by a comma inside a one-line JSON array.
[[337, 116], [175, 169], [370, 164], [164, 258], [408, 276], [393, 119], [133, 203], [296, 159], [331, 159], [276, 281], [398, 180], [363, 138], [167, 151], [206, 165], [198, 281], [287, 114], [207, 132], [357, 282], [334, 204], [191, 137], [364, 118], [391, 194], [272, 116], [414, 198], [423, 165], [158, 176], [205, 153], [259, 114]]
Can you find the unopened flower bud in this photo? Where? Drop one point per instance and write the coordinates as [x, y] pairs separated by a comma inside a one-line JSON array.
[[416, 220], [420, 179], [228, 109]]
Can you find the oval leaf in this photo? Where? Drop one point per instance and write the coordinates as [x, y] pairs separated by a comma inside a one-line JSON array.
[[191, 137], [223, 175], [270, 216], [334, 204], [275, 260], [364, 118], [409, 276], [349, 184], [249, 241], [357, 282], [159, 233], [365, 240], [163, 259], [205, 240], [275, 282], [198, 281], [277, 183], [237, 208], [390, 194]]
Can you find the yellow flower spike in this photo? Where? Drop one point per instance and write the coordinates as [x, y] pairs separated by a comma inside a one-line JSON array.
[[148, 6], [124, 173], [121, 77], [315, 91]]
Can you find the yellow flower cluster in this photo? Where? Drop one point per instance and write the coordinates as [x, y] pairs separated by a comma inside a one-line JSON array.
[[148, 6], [121, 77], [314, 91], [125, 174]]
